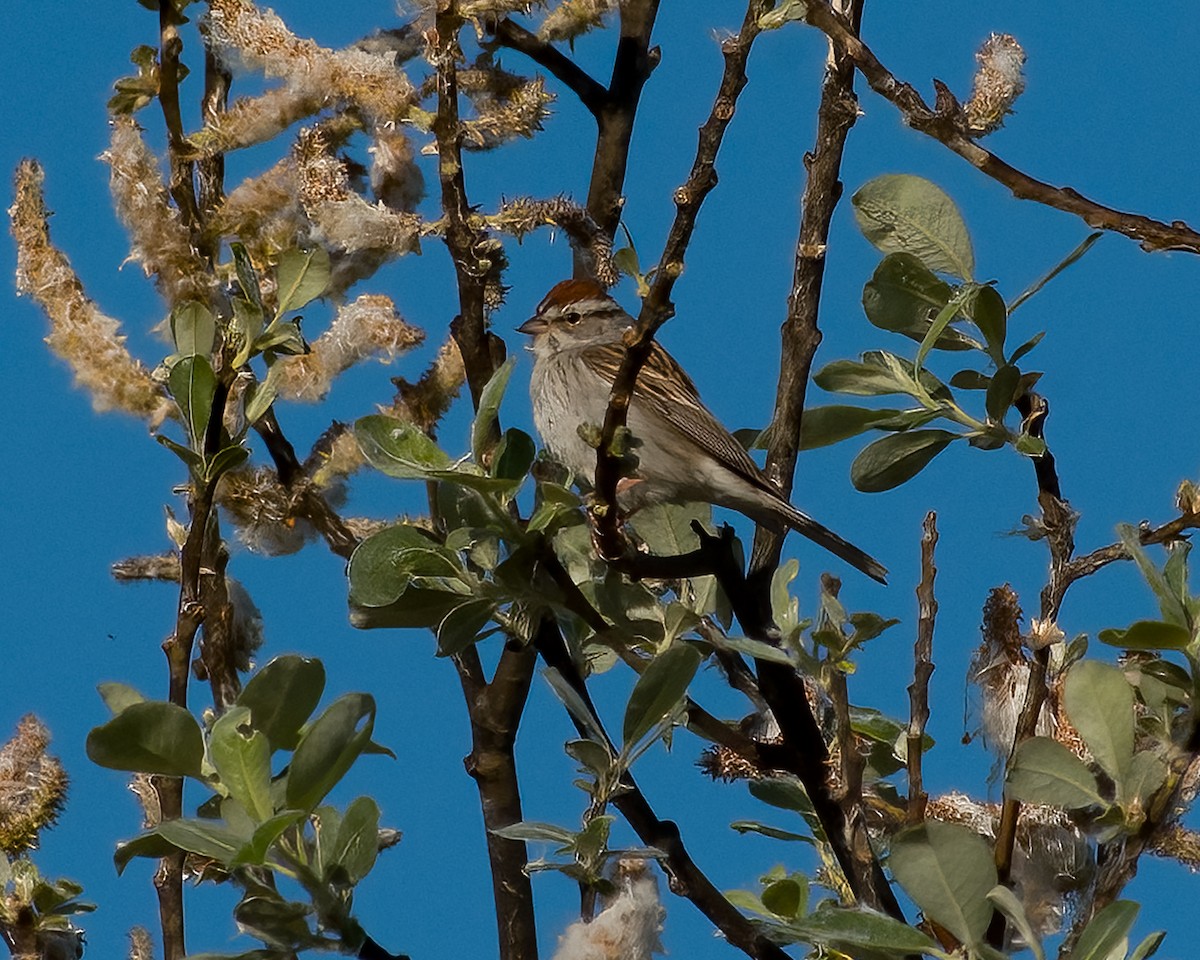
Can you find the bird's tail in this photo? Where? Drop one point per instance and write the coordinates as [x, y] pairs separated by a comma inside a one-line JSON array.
[[803, 524]]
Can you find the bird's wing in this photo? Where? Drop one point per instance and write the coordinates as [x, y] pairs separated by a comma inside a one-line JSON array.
[[665, 390]]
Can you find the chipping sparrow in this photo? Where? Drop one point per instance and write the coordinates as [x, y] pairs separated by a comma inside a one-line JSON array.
[[684, 454]]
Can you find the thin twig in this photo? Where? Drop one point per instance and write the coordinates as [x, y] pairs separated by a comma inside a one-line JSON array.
[[918, 690], [170, 46], [946, 128], [800, 334], [656, 307]]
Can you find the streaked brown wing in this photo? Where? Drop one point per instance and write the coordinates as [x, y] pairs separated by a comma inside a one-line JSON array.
[[664, 389]]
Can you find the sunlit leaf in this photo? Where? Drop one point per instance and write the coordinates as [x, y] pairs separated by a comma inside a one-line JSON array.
[[242, 756], [398, 448], [948, 871], [194, 329], [301, 276], [901, 213], [1099, 701], [1107, 933], [328, 748], [1044, 771], [281, 697], [489, 408], [1148, 635]]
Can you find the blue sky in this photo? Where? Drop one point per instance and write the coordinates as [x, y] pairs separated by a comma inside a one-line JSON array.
[[1104, 111]]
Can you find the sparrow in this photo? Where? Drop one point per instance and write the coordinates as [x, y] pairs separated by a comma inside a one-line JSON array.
[[683, 452]]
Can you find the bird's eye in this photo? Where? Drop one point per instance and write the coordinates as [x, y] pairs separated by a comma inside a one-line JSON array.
[[572, 318]]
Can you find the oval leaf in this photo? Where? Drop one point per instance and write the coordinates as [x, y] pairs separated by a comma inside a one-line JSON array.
[[357, 842], [822, 426], [397, 448], [904, 295], [301, 276], [149, 737], [194, 329], [1099, 701], [658, 690], [489, 408], [282, 696], [242, 756], [1044, 771], [192, 384], [948, 870], [891, 461], [1148, 635], [900, 213], [329, 748], [1108, 930]]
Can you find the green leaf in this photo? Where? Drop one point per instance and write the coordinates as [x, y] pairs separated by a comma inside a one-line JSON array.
[[823, 426], [900, 213], [785, 898], [904, 295], [1170, 603], [891, 461], [758, 649], [194, 329], [1028, 345], [1099, 701], [461, 626], [786, 793], [1148, 635], [576, 706], [246, 274], [1007, 902], [149, 737], [254, 852], [533, 831], [248, 321], [398, 448], [282, 336], [666, 528], [242, 756], [118, 696], [301, 276], [1044, 771], [514, 455], [1147, 773], [144, 845], [386, 565], [940, 324], [657, 691], [1001, 392], [282, 696], [489, 408], [859, 379], [230, 458], [854, 931], [328, 749], [987, 311], [1067, 261], [1105, 936], [205, 837], [948, 870], [970, 380], [775, 833], [1149, 946], [192, 384], [357, 842]]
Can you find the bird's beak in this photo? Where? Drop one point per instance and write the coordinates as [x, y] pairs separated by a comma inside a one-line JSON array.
[[534, 325]]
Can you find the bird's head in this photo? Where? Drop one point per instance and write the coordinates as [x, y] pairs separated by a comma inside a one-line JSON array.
[[576, 313]]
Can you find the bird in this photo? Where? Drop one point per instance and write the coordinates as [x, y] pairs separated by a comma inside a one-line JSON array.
[[683, 452]]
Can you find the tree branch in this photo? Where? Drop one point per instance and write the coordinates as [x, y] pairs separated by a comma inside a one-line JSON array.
[[632, 66], [656, 307], [592, 94], [800, 334], [918, 690], [945, 127], [170, 45]]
